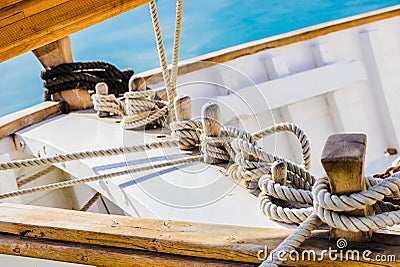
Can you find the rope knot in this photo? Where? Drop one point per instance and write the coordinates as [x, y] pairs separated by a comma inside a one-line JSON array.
[[108, 103], [188, 133], [142, 110], [330, 208]]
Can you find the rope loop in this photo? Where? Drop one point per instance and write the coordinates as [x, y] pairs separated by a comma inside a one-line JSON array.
[[187, 132], [84, 75], [252, 162], [330, 208], [108, 103], [143, 110]]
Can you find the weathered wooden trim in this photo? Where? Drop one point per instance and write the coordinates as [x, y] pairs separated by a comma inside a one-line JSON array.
[[38, 229], [11, 123], [250, 48], [99, 255], [29, 24]]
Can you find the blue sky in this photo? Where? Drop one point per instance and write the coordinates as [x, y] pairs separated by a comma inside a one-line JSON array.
[[127, 41]]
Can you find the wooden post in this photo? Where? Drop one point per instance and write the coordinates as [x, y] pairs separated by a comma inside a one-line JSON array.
[[56, 53], [211, 116], [343, 160], [102, 89], [278, 171], [137, 84], [183, 112], [183, 107]]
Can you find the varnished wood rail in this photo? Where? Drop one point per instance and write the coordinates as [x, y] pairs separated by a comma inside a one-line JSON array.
[[9, 124], [110, 240]]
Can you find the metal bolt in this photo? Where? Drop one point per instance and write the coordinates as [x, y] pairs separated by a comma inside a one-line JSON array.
[[85, 258], [22, 145]]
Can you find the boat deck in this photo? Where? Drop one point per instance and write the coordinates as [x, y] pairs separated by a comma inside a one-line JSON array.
[[193, 192]]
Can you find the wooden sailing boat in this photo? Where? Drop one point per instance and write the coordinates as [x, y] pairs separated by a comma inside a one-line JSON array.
[[335, 77]]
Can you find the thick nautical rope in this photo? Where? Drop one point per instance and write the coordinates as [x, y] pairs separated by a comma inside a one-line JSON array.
[[43, 161], [293, 128], [187, 132], [249, 167], [84, 75], [90, 179], [140, 109], [190, 134], [169, 78], [91, 202], [108, 103], [220, 147], [175, 55], [143, 110], [329, 208]]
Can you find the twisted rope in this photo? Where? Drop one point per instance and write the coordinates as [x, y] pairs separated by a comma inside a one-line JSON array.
[[85, 155], [175, 57], [324, 207], [143, 110], [21, 181], [90, 179], [169, 79], [108, 103], [293, 128], [251, 162], [187, 132], [84, 75], [91, 202]]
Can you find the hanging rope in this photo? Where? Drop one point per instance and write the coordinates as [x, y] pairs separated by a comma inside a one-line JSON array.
[[169, 78], [140, 108]]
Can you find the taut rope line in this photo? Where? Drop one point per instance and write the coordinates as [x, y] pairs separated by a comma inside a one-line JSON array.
[[14, 164], [168, 77], [90, 179], [140, 109]]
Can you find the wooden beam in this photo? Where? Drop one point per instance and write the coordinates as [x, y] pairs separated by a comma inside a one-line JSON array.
[[9, 124], [60, 234], [343, 159], [29, 24], [99, 255], [56, 53]]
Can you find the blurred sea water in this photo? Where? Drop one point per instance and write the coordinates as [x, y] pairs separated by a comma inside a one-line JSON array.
[[127, 41]]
